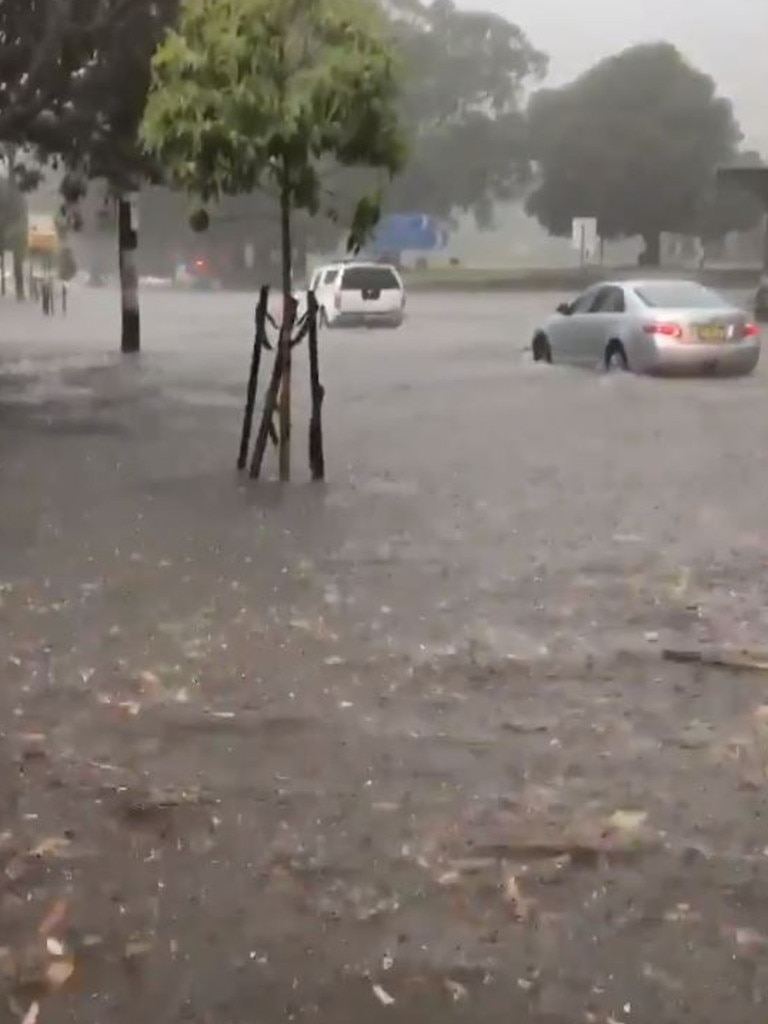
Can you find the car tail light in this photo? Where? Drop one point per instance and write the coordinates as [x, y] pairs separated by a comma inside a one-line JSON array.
[[666, 330], [751, 331]]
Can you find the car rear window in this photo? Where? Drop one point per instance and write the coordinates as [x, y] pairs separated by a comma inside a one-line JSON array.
[[358, 279], [679, 295]]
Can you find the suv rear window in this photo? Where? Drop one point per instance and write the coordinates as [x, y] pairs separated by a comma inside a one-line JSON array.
[[358, 279]]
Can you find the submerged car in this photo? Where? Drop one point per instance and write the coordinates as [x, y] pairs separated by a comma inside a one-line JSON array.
[[651, 326], [196, 275], [359, 295]]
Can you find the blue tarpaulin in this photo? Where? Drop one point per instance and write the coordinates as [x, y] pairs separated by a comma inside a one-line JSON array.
[[408, 232]]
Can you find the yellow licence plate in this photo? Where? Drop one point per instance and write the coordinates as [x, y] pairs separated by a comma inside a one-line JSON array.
[[713, 332]]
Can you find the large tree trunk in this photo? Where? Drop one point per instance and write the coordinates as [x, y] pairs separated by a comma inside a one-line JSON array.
[[18, 273], [286, 330], [128, 243], [652, 253]]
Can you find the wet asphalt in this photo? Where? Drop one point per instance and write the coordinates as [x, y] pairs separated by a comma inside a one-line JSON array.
[[406, 735]]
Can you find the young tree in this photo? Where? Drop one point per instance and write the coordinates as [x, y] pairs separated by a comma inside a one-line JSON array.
[[635, 142], [251, 94]]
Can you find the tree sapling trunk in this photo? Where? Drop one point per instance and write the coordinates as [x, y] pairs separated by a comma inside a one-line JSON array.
[[128, 243]]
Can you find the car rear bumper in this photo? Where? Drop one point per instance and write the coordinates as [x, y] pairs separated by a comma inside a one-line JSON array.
[[390, 319], [726, 359]]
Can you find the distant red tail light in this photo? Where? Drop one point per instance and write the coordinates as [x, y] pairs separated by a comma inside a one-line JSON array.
[[200, 264], [666, 330], [751, 331]]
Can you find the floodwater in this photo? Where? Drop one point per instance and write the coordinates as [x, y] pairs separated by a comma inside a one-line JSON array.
[[410, 735]]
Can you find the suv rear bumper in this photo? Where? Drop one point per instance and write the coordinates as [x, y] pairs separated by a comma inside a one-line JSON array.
[[392, 319]]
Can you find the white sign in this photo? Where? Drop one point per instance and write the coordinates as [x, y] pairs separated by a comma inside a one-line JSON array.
[[584, 237]]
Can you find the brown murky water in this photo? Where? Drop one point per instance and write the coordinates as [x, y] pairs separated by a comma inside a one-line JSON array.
[[401, 747]]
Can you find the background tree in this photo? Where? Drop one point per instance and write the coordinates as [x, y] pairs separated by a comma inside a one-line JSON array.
[[20, 179], [466, 73], [13, 229], [74, 77], [256, 94], [726, 208], [635, 142]]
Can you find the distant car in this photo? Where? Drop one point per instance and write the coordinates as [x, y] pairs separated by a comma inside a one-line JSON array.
[[197, 275], [653, 326], [359, 295]]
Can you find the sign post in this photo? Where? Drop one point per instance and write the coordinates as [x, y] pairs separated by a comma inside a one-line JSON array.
[[584, 238]]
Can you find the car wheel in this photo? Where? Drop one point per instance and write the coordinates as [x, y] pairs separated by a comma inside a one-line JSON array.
[[616, 358], [542, 353]]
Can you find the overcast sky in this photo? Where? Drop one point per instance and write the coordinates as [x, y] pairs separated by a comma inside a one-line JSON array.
[[726, 38]]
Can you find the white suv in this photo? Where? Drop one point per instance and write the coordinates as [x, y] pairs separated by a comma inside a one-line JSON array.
[[359, 295]]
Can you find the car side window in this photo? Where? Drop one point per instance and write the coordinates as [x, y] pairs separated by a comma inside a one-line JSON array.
[[609, 300], [584, 302], [598, 302], [330, 276]]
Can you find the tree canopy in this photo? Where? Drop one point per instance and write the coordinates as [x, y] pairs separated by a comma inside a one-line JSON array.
[[634, 142], [250, 94], [466, 73]]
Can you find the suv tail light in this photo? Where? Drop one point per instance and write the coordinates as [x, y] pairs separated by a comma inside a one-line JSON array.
[[666, 330], [751, 331]]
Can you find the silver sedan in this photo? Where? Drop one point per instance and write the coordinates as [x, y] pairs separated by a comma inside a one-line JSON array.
[[653, 326]]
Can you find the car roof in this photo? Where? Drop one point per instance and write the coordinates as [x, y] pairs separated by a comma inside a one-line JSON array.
[[638, 283], [345, 264]]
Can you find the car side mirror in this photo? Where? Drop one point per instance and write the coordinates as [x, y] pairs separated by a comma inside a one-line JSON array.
[[564, 309]]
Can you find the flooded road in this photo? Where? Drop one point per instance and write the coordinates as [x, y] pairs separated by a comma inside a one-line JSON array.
[[406, 736]]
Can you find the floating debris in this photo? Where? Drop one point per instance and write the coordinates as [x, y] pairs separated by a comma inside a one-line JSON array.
[[383, 996]]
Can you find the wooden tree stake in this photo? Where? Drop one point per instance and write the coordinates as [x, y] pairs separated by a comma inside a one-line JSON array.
[[316, 454], [253, 379], [273, 391]]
